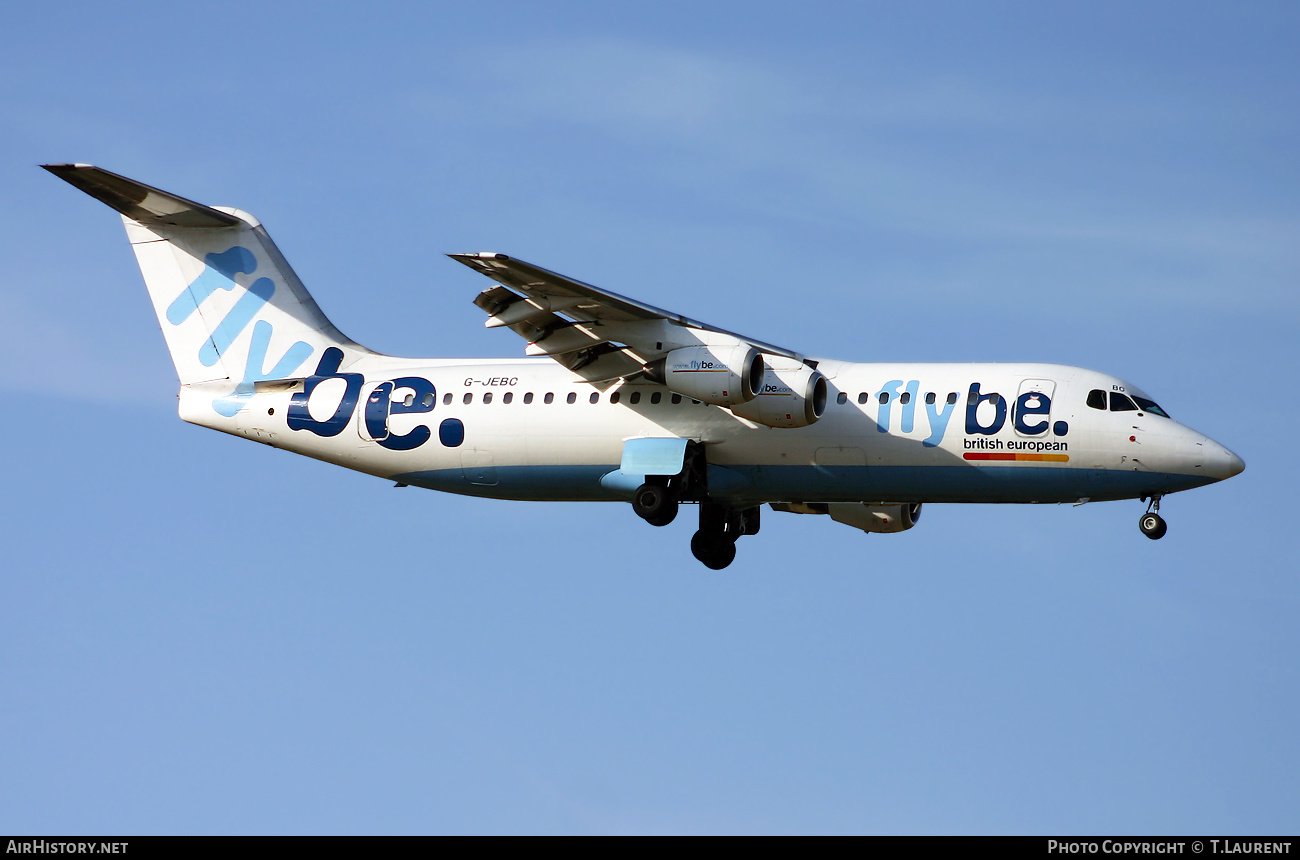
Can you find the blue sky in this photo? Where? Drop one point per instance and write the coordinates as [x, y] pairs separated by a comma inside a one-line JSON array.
[[199, 635]]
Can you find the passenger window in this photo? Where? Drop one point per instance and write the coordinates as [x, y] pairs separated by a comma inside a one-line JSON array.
[[616, 397], [697, 402], [635, 398], [906, 398], [863, 398], [549, 398], [467, 399], [841, 398], [1121, 403], [528, 397], [1097, 399], [656, 397], [595, 397], [427, 400], [952, 397], [972, 399], [446, 399], [507, 397], [487, 398], [677, 398], [884, 397], [929, 398], [409, 400], [572, 398]]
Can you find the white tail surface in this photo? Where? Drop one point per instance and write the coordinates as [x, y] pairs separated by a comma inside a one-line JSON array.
[[229, 305]]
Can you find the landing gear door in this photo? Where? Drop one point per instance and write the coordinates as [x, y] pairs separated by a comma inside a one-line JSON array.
[[1032, 411], [648, 457]]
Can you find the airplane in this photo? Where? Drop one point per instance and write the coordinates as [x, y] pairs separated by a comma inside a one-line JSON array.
[[618, 400]]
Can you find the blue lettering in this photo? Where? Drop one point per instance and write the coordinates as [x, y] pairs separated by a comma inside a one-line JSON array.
[[938, 422], [377, 411], [1032, 403], [380, 405], [299, 417], [293, 357], [909, 408], [257, 295], [219, 275], [973, 401], [890, 390], [451, 432]]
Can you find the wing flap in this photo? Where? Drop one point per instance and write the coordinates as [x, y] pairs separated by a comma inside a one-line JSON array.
[[589, 330]]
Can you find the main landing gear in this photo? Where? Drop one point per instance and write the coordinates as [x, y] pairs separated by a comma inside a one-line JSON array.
[[656, 501], [1152, 524], [659, 498], [720, 527], [655, 504]]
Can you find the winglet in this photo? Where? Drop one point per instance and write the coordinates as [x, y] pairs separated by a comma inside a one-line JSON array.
[[138, 201]]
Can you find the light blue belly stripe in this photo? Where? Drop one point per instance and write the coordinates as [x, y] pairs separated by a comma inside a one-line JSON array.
[[747, 485]]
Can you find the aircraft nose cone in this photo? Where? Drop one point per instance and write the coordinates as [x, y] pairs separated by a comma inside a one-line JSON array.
[[1220, 463]]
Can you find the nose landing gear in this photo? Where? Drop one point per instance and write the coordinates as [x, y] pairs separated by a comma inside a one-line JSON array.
[[1151, 523]]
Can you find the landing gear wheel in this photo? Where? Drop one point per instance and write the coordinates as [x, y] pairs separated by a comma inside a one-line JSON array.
[[714, 550], [1153, 525], [654, 504]]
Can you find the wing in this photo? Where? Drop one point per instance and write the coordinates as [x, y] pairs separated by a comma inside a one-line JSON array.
[[597, 334]]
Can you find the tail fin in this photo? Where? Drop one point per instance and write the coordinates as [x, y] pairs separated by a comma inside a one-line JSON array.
[[229, 305]]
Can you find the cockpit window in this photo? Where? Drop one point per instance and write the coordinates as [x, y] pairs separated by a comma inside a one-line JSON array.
[[1121, 403], [1150, 406], [1097, 399]]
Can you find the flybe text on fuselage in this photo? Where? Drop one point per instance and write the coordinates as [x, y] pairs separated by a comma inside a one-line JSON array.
[[986, 413]]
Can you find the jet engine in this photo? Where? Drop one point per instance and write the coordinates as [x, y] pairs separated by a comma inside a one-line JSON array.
[[792, 395], [725, 375], [877, 519]]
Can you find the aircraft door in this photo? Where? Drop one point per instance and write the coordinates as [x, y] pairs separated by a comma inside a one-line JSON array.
[[478, 467], [841, 467], [372, 399], [1032, 416]]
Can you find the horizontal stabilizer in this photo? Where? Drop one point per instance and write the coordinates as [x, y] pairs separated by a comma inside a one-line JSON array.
[[138, 201]]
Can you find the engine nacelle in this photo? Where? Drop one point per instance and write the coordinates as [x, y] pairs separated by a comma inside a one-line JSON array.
[[792, 395], [721, 375], [877, 519]]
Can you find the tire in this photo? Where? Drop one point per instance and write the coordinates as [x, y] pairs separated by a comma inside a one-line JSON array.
[[654, 504], [714, 551], [1153, 526]]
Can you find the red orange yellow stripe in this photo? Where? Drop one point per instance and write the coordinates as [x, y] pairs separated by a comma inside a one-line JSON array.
[[1034, 458]]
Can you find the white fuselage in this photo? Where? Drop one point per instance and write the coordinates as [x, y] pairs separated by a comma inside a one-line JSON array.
[[529, 429]]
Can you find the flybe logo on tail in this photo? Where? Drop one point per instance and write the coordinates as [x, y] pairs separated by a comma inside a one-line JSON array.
[[219, 274]]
